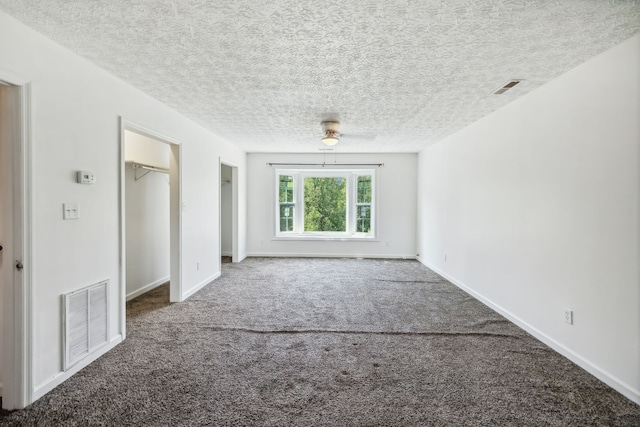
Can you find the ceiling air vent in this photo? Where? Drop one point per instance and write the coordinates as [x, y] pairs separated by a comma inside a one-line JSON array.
[[506, 87]]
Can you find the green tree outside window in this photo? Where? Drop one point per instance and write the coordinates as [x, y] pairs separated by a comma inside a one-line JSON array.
[[325, 204]]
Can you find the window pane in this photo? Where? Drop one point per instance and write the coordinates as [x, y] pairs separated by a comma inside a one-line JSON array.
[[364, 189], [363, 220], [286, 216], [325, 204], [286, 189]]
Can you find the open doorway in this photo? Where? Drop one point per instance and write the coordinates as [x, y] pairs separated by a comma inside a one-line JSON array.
[[150, 214], [147, 223], [228, 212], [15, 232]]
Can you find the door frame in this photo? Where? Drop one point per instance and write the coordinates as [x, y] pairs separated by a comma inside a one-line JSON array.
[[17, 345], [175, 202], [235, 253]]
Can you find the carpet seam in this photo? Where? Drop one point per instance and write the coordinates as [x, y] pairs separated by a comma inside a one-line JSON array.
[[354, 332]]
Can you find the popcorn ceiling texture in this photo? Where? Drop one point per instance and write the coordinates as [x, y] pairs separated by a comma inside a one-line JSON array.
[[399, 75]]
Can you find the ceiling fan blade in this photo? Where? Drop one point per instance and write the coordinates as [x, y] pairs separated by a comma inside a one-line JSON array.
[[358, 136]]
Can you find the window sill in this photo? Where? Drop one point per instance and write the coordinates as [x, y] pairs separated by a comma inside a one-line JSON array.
[[335, 238]]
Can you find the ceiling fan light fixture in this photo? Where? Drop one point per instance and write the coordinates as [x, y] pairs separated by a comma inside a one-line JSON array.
[[330, 138], [331, 135]]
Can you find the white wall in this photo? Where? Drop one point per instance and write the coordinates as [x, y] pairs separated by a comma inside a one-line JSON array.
[[147, 215], [536, 208], [396, 198], [143, 149], [226, 211], [75, 126]]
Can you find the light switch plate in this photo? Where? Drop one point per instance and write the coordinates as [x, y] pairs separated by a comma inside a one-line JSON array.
[[70, 211]]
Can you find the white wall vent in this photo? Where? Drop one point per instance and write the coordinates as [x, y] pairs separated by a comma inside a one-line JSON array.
[[86, 322]]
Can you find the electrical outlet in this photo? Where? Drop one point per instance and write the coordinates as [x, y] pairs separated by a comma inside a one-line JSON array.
[[568, 316], [197, 265]]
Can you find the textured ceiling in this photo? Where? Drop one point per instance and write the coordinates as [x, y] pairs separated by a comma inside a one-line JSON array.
[[399, 74]]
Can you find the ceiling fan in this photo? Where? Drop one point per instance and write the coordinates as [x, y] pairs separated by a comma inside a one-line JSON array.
[[331, 135]]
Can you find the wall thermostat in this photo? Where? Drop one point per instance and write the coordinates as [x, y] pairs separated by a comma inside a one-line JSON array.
[[85, 177]]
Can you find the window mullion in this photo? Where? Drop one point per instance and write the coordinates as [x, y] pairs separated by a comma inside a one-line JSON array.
[[352, 193], [298, 193], [277, 199], [373, 203]]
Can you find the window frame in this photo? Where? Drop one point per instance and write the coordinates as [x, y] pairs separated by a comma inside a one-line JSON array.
[[298, 232], [287, 202]]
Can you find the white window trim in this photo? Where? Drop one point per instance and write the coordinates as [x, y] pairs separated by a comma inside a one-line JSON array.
[[298, 186]]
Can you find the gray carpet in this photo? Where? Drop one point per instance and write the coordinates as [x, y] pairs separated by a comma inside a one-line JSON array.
[[327, 342]]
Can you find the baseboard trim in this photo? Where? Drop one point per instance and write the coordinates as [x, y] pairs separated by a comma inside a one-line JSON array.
[[623, 388], [326, 255], [0, 389], [226, 253], [62, 376], [240, 258], [147, 288], [200, 285]]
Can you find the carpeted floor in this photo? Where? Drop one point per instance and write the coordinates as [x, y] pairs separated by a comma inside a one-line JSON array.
[[327, 342]]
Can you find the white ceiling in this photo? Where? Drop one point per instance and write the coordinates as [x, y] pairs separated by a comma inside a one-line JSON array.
[[398, 74]]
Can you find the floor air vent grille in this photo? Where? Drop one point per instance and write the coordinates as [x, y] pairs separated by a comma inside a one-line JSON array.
[[85, 322]]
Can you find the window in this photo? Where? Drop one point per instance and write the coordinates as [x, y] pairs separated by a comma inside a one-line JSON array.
[[363, 204], [325, 203], [320, 204], [286, 204]]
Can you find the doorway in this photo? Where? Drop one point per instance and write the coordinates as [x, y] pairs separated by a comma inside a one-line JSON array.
[[147, 222], [151, 164], [15, 232], [226, 219], [228, 212]]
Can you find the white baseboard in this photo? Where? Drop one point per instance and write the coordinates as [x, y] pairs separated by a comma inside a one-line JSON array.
[[53, 382], [200, 285], [327, 255], [0, 389], [226, 254], [625, 389], [241, 258], [147, 288]]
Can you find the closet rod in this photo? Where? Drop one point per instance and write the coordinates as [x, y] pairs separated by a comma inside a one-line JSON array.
[[326, 164], [148, 168]]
